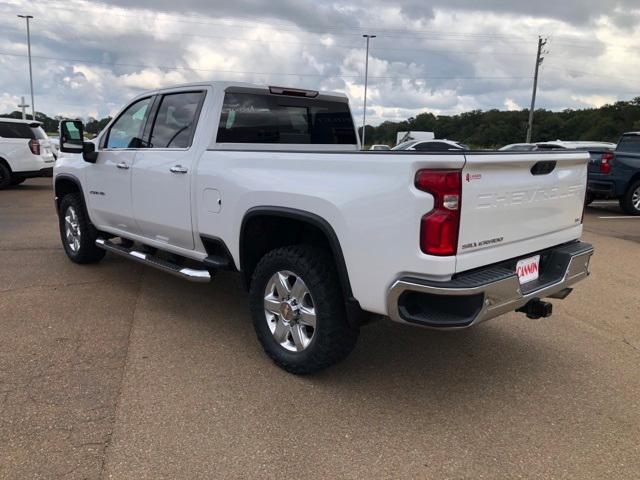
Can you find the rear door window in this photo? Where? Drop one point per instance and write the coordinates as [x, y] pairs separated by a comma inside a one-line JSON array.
[[262, 118], [629, 144], [176, 120]]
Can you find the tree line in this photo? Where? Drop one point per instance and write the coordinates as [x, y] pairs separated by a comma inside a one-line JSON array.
[[478, 129], [92, 126], [495, 128]]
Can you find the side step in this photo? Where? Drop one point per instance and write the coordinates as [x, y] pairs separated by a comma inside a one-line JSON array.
[[191, 274]]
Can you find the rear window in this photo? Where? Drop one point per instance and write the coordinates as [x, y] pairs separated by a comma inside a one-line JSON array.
[[256, 118], [20, 130], [38, 133], [629, 144]]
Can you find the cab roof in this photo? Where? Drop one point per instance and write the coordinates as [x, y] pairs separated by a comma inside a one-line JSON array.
[[224, 85]]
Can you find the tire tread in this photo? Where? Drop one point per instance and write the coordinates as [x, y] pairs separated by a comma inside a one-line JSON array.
[[337, 338]]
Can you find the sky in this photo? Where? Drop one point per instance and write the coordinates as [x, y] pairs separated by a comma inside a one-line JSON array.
[[438, 56]]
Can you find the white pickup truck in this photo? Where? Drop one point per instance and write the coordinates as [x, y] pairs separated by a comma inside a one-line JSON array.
[[270, 182]]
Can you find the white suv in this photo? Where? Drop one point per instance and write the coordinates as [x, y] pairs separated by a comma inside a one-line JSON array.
[[25, 152]]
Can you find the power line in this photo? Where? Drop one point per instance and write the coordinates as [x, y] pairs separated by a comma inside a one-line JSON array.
[[319, 44], [166, 67], [337, 31]]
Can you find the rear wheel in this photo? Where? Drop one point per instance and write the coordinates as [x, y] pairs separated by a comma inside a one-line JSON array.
[[298, 310], [630, 203], [76, 232], [5, 176]]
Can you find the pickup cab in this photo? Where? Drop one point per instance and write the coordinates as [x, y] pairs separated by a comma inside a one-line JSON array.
[[616, 174], [270, 182]]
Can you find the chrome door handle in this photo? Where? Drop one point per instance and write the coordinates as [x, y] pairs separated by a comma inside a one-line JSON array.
[[178, 169], [122, 166]]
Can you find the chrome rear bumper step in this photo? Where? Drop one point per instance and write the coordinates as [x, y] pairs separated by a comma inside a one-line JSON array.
[[191, 274]]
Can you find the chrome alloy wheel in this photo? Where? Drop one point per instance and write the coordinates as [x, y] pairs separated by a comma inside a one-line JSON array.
[[72, 229], [290, 311], [635, 199]]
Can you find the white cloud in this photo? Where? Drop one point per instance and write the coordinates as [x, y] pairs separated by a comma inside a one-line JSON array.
[[429, 55]]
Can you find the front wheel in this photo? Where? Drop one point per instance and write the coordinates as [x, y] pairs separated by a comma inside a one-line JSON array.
[[76, 232], [298, 310], [630, 203]]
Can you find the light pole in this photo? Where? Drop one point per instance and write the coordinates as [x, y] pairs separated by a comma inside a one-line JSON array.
[[366, 76], [33, 107]]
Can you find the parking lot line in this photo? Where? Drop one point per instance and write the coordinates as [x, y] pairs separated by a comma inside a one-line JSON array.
[[632, 217]]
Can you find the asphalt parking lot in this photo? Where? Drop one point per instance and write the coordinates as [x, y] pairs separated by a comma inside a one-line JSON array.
[[119, 371]]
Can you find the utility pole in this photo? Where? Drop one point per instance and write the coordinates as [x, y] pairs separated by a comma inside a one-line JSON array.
[[33, 108], [366, 76], [23, 106], [539, 59]]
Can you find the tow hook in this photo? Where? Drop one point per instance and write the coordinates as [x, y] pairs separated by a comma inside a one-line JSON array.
[[537, 308]]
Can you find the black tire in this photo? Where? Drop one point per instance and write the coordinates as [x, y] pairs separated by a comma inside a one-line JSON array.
[[630, 200], [333, 337], [17, 181], [86, 250], [5, 176]]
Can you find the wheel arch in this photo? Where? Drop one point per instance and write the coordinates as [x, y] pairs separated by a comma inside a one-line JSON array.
[[5, 162], [634, 178], [65, 184], [294, 218]]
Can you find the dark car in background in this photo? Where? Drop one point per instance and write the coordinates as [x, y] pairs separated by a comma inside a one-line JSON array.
[[617, 174]]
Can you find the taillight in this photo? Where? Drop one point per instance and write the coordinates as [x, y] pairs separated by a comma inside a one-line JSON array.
[[605, 162], [439, 228], [34, 146]]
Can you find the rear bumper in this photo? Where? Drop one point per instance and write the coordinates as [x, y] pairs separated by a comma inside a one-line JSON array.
[[602, 187], [475, 296], [43, 172]]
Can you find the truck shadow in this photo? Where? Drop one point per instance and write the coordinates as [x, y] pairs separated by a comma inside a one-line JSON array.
[[392, 363]]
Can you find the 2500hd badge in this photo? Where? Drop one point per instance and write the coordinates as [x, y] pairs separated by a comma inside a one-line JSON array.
[[482, 243]]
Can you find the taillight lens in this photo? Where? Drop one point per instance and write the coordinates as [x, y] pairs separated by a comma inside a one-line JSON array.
[[605, 162], [34, 146], [439, 228]]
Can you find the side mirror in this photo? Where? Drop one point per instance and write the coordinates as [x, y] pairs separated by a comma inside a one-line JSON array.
[[71, 136], [72, 140]]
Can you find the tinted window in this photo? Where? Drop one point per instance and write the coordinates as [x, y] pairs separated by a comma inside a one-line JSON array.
[[550, 146], [176, 120], [16, 130], [629, 144], [434, 147], [126, 132], [255, 118]]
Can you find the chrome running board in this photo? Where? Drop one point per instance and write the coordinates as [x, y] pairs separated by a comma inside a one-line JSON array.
[[191, 274]]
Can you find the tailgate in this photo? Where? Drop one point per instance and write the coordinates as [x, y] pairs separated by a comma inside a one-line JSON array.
[[514, 204]]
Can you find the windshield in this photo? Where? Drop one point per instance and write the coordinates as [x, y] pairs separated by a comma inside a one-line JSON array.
[[404, 145]]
